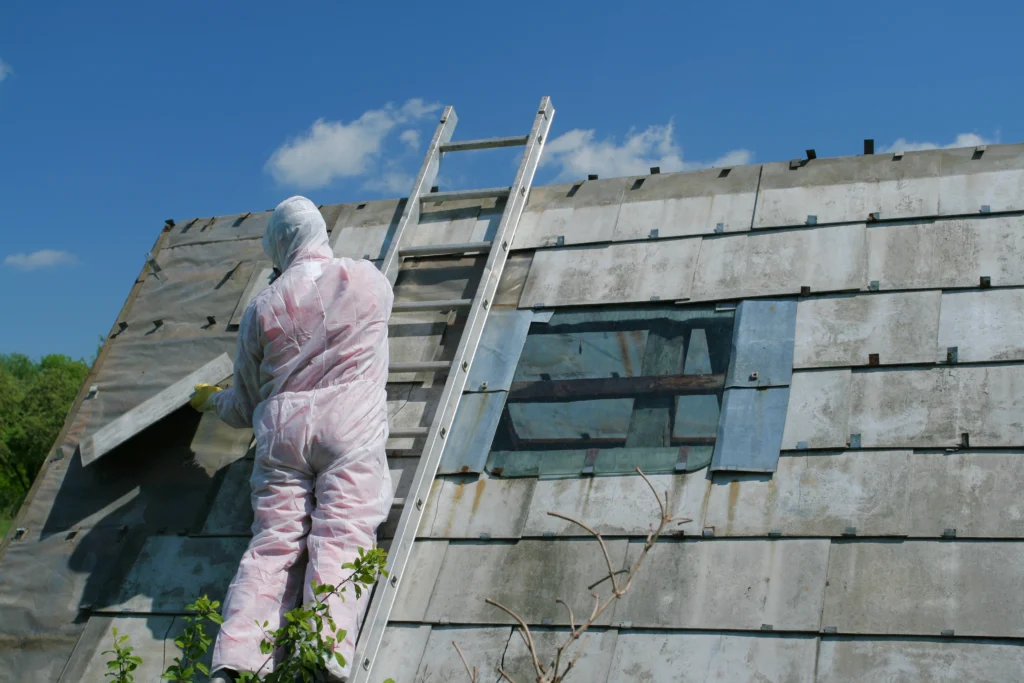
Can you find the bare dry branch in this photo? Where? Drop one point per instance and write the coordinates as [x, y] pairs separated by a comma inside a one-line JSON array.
[[527, 635], [505, 675], [604, 548], [572, 620], [471, 672], [657, 496]]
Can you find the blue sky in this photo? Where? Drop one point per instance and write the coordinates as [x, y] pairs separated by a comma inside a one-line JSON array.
[[117, 115]]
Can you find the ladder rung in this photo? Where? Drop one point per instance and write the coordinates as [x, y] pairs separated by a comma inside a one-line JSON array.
[[420, 366], [445, 305], [443, 249], [486, 143], [466, 194], [410, 433], [397, 503]]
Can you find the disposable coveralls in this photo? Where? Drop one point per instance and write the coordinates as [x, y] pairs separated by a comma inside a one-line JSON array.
[[310, 377]]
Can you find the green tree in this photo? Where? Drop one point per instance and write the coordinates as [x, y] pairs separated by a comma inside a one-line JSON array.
[[34, 400]]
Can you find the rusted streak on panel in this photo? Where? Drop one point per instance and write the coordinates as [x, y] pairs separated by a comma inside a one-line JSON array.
[[617, 387]]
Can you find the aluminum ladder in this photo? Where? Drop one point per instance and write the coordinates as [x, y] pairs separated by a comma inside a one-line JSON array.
[[372, 633]]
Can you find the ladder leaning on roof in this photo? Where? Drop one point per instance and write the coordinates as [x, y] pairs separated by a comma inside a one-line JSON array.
[[458, 370]]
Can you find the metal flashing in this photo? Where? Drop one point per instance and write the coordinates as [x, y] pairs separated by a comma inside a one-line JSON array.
[[750, 430], [762, 344]]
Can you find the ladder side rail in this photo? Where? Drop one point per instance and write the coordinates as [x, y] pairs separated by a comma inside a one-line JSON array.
[[424, 180], [405, 535]]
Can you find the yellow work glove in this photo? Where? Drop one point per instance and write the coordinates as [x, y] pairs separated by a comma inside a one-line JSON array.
[[201, 399]]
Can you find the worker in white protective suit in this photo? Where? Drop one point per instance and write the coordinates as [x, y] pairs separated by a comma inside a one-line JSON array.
[[310, 378]]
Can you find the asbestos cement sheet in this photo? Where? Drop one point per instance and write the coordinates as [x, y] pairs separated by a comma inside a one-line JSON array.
[[501, 344], [819, 495], [612, 273], [615, 505], [153, 410], [925, 588], [469, 506], [525, 576], [750, 431], [595, 655], [483, 649], [444, 223], [905, 408], [762, 344], [231, 514], [702, 657], [724, 584], [365, 231], [261, 276], [36, 660], [948, 252], [417, 584], [410, 406], [171, 571], [818, 415], [989, 404], [971, 181], [400, 652], [577, 213], [846, 330], [220, 229], [982, 326], [414, 337], [857, 660], [848, 189], [781, 263], [683, 204]]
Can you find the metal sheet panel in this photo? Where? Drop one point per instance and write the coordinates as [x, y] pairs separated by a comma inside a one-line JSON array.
[[781, 263], [365, 231], [819, 495], [593, 663], [762, 344], [982, 325], [616, 505], [418, 583], [578, 213], [848, 189], [172, 570], [818, 415], [220, 229], [750, 431], [702, 657], [613, 273], [925, 588], [858, 660], [482, 647], [479, 507], [846, 330], [971, 181], [948, 252], [904, 408], [102, 441], [565, 568], [735, 585], [495, 361], [400, 653]]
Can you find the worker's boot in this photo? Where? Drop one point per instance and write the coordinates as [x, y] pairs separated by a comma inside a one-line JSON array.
[[224, 676]]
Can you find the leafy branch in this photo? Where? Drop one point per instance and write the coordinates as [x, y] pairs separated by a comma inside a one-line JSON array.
[[121, 668]]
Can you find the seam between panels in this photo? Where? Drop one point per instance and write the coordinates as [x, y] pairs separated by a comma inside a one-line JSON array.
[[821, 616], [757, 194]]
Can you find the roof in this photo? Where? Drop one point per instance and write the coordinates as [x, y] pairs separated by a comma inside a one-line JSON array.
[[846, 435]]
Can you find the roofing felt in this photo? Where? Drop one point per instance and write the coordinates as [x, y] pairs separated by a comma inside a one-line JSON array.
[[853, 489]]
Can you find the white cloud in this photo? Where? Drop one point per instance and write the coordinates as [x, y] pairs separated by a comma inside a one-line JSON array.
[[394, 183], [5, 70], [44, 258], [410, 137], [334, 149], [578, 153], [962, 140]]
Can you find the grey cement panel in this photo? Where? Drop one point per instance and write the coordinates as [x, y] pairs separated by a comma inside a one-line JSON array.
[[593, 664], [780, 263], [217, 445], [36, 660], [471, 506], [105, 439], [171, 571], [363, 233], [482, 647], [848, 660], [821, 495], [439, 278], [259, 279], [580, 216], [982, 325], [418, 583], [444, 223], [905, 408], [414, 337], [220, 229], [653, 657], [231, 511], [525, 576], [726, 584], [818, 414], [615, 505], [411, 405], [989, 404], [926, 587], [845, 330], [840, 190], [400, 652], [615, 273], [948, 252], [970, 181]]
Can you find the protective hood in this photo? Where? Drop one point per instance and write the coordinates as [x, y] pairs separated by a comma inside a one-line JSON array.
[[296, 233]]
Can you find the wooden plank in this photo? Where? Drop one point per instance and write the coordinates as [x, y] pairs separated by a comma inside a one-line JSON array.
[[616, 387], [152, 411]]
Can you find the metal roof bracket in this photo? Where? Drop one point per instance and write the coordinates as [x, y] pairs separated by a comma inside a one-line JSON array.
[[854, 440], [952, 354]]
